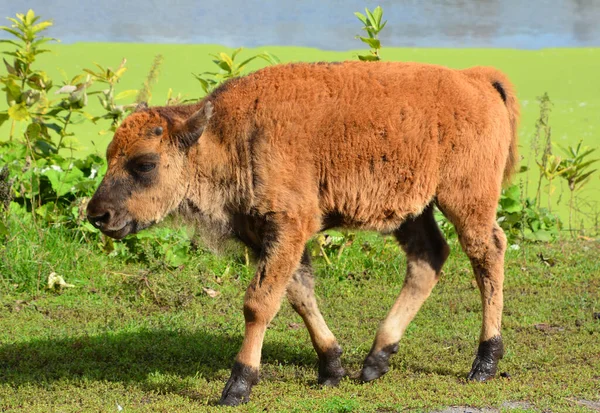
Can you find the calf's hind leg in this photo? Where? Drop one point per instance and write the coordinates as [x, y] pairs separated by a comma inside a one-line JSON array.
[[301, 296], [484, 243], [426, 251]]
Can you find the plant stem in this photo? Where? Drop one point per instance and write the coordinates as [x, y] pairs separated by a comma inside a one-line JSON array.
[[571, 214], [549, 194], [64, 131], [12, 130]]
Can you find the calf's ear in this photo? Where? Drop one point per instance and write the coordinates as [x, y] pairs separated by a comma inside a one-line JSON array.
[[192, 128]]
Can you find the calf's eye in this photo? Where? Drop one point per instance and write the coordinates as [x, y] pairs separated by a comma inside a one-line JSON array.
[[145, 167], [158, 131]]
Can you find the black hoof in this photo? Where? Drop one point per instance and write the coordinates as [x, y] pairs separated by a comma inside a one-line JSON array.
[[331, 371], [238, 387], [486, 361], [377, 363]]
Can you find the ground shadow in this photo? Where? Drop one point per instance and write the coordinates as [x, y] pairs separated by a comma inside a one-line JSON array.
[[131, 356]]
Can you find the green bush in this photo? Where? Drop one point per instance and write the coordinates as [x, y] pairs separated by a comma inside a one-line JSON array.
[[229, 68], [372, 25], [44, 187], [522, 219]]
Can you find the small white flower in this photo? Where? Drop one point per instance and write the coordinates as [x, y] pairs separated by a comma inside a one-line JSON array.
[[93, 173], [56, 168], [515, 247]]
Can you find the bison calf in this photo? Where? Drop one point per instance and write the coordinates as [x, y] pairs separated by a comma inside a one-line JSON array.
[[290, 150]]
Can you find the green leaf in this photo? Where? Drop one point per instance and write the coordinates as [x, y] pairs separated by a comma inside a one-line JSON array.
[[11, 42], [63, 181], [3, 117], [14, 33], [583, 155], [512, 192], [43, 40], [235, 52], [3, 231], [44, 148], [120, 72], [98, 75], [11, 70], [225, 57], [541, 235], [583, 177], [126, 94], [53, 126], [382, 26], [374, 43], [368, 58], [511, 206], [80, 78], [583, 165], [13, 90], [269, 58], [29, 17], [177, 255], [372, 20], [18, 112], [33, 131], [42, 26], [224, 65], [361, 17], [377, 13]]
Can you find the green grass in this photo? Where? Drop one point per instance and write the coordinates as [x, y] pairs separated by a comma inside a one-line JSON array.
[[148, 338], [568, 75]]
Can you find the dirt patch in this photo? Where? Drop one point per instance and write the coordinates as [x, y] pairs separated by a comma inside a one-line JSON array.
[[465, 409], [506, 405], [517, 405], [588, 403]]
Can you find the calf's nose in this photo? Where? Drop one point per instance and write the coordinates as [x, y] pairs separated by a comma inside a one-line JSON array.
[[99, 214]]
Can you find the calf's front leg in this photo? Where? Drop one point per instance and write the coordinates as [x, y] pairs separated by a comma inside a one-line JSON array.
[[280, 256]]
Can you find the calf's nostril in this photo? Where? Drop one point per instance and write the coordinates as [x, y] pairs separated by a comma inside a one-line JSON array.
[[100, 219]]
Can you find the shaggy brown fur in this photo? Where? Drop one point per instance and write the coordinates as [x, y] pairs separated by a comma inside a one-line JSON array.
[[278, 155]]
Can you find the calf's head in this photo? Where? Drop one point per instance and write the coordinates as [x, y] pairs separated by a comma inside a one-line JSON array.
[[148, 173]]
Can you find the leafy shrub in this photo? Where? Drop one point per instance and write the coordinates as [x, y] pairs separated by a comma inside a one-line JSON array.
[[372, 25], [158, 247], [229, 68], [522, 219], [47, 179], [25, 87], [51, 186], [575, 169], [48, 186]]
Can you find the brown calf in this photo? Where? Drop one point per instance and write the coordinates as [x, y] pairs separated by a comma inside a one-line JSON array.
[[276, 156]]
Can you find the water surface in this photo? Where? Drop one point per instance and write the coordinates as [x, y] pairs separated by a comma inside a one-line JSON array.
[[525, 24]]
